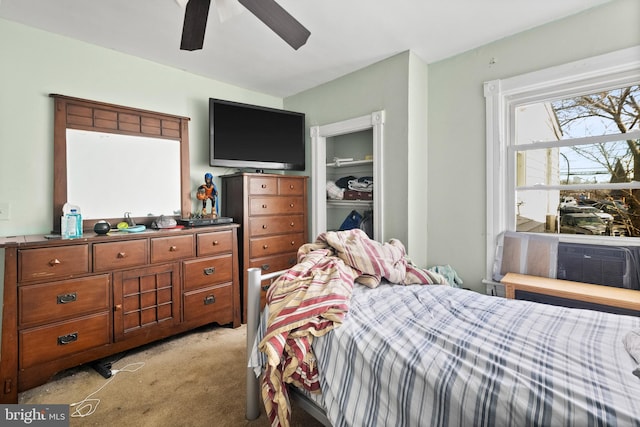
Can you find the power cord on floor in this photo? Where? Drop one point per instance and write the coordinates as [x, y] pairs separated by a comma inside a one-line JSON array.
[[88, 406]]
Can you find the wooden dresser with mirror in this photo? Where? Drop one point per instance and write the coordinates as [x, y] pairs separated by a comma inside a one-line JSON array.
[[76, 301]]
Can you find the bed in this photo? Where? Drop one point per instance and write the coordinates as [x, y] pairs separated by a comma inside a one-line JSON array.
[[436, 355]]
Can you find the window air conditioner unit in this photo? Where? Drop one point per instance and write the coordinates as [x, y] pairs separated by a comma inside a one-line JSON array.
[[599, 264]]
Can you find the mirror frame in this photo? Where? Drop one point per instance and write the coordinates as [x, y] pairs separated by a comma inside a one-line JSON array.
[[77, 113]]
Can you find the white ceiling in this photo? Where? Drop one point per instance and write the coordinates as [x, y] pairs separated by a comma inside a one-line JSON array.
[[346, 35]]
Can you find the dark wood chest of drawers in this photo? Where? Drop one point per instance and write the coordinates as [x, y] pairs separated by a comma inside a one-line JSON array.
[[69, 302], [272, 213]]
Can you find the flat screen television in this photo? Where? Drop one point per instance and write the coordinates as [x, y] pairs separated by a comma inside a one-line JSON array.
[[253, 137]]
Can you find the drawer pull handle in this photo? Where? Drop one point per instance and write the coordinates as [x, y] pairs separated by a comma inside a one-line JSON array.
[[265, 246], [292, 224], [264, 206], [67, 339], [266, 287], [264, 226], [291, 205], [209, 271], [117, 307], [216, 243], [122, 255], [265, 267], [173, 248], [264, 185], [54, 262], [67, 298], [293, 242], [209, 299], [292, 186]]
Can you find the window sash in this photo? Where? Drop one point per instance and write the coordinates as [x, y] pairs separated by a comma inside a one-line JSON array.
[[573, 142], [583, 186]]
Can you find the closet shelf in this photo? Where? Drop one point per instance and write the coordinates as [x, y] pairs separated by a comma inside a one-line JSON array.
[[348, 163], [349, 203]]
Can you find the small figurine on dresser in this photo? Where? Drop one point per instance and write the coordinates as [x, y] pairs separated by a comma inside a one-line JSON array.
[[208, 191]]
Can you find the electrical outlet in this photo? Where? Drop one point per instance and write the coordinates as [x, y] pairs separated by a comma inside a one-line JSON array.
[[5, 211]]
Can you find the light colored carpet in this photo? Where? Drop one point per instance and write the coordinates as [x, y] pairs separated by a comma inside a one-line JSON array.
[[195, 379]]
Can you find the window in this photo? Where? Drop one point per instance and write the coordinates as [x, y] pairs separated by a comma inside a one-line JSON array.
[[555, 162]]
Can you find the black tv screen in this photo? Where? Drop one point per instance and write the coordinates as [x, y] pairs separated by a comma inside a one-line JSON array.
[[254, 137]]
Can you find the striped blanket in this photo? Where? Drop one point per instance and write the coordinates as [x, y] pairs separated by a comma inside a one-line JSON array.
[[440, 356], [313, 298]]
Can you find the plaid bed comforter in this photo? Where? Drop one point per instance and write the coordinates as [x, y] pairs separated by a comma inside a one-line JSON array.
[[313, 297], [440, 356]]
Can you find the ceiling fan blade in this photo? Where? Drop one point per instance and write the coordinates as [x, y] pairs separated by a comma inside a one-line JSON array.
[[279, 20], [195, 24]]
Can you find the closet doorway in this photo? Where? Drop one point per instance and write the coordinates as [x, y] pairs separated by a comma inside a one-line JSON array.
[[346, 159]]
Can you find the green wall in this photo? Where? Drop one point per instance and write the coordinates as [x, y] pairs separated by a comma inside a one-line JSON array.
[[382, 86], [36, 63], [456, 120], [417, 152]]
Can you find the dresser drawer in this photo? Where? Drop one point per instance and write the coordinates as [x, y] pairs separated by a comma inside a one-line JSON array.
[[39, 345], [263, 185], [51, 302], [51, 263], [172, 248], [209, 271], [264, 225], [274, 263], [213, 304], [214, 243], [117, 255], [291, 186], [265, 246], [276, 205]]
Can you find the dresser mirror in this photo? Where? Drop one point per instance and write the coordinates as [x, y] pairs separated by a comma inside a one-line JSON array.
[[111, 160], [125, 173]]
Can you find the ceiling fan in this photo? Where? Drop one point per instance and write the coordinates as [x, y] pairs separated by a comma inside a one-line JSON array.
[[268, 11]]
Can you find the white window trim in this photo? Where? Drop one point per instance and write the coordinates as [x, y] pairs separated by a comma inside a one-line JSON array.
[[610, 70]]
